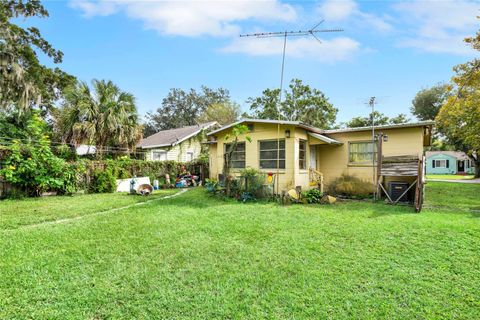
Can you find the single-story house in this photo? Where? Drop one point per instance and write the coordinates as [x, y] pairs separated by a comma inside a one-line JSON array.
[[300, 149], [181, 144], [448, 162]]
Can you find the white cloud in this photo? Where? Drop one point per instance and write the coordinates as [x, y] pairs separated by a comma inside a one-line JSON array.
[[439, 26], [191, 18], [90, 8], [349, 11], [338, 10], [337, 49], [223, 18]]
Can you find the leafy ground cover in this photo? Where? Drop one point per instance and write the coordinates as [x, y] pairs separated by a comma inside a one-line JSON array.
[[449, 177], [196, 257]]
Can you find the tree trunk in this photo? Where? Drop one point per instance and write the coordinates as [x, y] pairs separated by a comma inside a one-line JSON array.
[[227, 164], [476, 163]]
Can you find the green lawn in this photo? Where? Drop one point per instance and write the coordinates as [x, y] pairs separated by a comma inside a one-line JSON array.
[[14, 213], [449, 177], [193, 256], [453, 196]]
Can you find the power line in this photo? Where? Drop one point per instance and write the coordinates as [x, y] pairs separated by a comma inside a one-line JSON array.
[[63, 143]]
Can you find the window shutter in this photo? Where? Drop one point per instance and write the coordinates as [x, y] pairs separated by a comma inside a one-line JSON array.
[[433, 163], [448, 165]]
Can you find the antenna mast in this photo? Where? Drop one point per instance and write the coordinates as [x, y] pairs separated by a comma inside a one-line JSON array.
[[371, 103], [285, 34]]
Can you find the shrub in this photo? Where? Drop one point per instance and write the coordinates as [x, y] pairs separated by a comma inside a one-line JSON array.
[[35, 169], [312, 196], [251, 181], [348, 185], [211, 185], [103, 182]]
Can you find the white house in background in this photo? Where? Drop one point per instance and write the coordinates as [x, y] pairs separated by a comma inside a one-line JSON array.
[[181, 144], [85, 149]]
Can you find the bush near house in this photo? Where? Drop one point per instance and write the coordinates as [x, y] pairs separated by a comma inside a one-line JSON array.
[[33, 169], [37, 170], [351, 186]]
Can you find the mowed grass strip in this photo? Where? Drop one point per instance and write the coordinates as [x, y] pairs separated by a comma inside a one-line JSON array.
[[195, 257], [453, 196], [15, 213], [449, 177]]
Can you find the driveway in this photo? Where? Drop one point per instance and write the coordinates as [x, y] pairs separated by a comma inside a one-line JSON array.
[[457, 181]]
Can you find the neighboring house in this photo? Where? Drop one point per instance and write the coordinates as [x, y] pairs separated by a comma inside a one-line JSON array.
[[181, 144], [448, 162], [85, 149], [304, 150]]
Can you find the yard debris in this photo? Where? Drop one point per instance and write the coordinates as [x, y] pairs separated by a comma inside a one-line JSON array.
[[145, 189], [329, 199], [293, 194]]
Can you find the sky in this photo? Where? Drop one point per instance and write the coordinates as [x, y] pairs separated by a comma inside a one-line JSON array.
[[388, 49]]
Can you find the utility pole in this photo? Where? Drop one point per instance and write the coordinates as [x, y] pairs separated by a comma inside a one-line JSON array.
[[285, 34], [372, 103]]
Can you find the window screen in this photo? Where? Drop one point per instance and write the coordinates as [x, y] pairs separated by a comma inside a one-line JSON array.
[[362, 152], [272, 152], [238, 155], [302, 156]]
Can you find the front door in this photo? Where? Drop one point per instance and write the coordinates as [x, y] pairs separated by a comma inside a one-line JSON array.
[[313, 157], [461, 166]]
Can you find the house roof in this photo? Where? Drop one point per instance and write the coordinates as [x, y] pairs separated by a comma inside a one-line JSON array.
[[456, 154], [321, 131], [388, 126], [172, 137], [284, 122]]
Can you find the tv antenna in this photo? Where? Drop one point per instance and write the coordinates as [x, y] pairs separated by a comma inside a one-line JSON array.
[[285, 34]]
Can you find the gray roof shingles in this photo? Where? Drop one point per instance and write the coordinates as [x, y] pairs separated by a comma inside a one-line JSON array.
[[170, 137]]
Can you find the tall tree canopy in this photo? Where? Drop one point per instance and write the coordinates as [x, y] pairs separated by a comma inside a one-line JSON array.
[[24, 82], [106, 117], [459, 117], [223, 113], [301, 103], [180, 108], [427, 102], [380, 119]]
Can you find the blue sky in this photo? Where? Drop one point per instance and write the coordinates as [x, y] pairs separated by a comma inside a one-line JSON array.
[[388, 49]]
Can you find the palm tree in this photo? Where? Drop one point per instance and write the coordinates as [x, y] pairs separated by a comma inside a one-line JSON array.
[[106, 117]]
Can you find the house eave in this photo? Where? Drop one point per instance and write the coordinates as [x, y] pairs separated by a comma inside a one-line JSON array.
[[325, 139], [384, 127], [280, 122]]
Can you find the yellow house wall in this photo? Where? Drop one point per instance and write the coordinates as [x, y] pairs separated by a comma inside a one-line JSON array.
[[288, 177], [179, 152], [301, 175], [333, 160]]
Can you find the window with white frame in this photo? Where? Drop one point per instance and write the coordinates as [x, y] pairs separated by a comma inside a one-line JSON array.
[[272, 154], [159, 155], [440, 163], [302, 154], [189, 156], [238, 155], [362, 152]]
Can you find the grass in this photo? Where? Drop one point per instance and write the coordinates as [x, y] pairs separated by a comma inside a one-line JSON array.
[[453, 196], [449, 177], [14, 213], [195, 257]]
